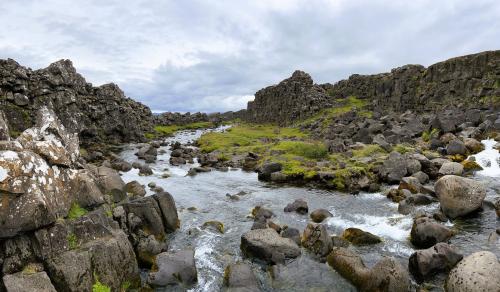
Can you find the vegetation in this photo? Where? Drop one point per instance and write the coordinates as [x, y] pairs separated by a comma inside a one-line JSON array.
[[164, 131], [30, 269], [310, 150], [403, 148], [99, 287], [125, 286], [72, 241], [76, 211], [427, 136], [343, 105]]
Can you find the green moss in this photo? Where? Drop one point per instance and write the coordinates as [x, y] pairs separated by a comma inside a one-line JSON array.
[[30, 269], [125, 286], [427, 136], [72, 241], [343, 176], [245, 137], [76, 211], [310, 150], [343, 105], [292, 166], [100, 287], [402, 148], [165, 131], [368, 151]]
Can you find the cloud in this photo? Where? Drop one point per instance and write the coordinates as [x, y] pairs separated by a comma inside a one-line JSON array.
[[200, 55]]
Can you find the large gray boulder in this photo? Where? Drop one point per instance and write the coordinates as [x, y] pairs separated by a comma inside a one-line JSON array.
[[174, 268], [386, 275], [456, 146], [451, 168], [425, 263], [34, 282], [459, 196], [479, 271], [239, 277], [426, 232], [267, 245]]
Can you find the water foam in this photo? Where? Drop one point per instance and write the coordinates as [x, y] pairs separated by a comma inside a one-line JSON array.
[[489, 159]]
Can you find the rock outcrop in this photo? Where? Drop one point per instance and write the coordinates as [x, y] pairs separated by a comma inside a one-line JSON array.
[[66, 225], [465, 81], [97, 114]]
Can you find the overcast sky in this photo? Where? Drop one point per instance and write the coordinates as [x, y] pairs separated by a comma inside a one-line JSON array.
[[214, 55]]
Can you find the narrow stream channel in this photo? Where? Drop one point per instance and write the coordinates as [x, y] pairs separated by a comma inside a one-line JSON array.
[[371, 212]]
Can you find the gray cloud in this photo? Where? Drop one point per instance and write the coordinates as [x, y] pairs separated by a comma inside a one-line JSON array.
[[214, 55]]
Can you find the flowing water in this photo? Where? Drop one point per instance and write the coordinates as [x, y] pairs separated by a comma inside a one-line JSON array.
[[371, 212]]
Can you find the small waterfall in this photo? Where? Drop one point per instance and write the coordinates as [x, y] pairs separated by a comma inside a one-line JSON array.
[[489, 159]]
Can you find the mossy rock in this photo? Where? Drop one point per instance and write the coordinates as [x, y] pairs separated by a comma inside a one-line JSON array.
[[359, 237], [470, 165], [457, 157], [214, 225]]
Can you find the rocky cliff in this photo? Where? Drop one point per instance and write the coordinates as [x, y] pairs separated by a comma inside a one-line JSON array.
[[97, 114], [468, 81]]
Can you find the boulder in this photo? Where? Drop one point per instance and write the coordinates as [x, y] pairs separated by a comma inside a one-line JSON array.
[[319, 215], [260, 211], [425, 232], [240, 277], [426, 263], [264, 172], [394, 167], [267, 245], [316, 239], [451, 168], [21, 282], [479, 271], [386, 275], [135, 189], [292, 233], [410, 183], [299, 206], [174, 268], [459, 196], [359, 237], [473, 145], [421, 176], [455, 147]]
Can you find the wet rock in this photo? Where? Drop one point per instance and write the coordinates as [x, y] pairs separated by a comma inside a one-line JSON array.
[[473, 145], [260, 211], [425, 232], [316, 239], [278, 177], [396, 195], [110, 179], [292, 233], [145, 170], [147, 248], [479, 271], [319, 215], [21, 282], [214, 225], [264, 172], [176, 161], [274, 226], [240, 277], [497, 207], [135, 189], [394, 168], [299, 206], [267, 245], [470, 166], [410, 183], [452, 168], [407, 205], [338, 241], [459, 196], [386, 275], [359, 237], [455, 147], [426, 263], [121, 165], [174, 268]]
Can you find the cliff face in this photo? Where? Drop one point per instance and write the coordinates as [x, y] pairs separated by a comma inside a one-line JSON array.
[[292, 99], [465, 81], [97, 114]]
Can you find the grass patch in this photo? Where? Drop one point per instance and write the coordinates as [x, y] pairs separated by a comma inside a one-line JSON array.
[[428, 135], [402, 148], [164, 131], [343, 105], [343, 176], [76, 211], [368, 151], [246, 138], [310, 150]]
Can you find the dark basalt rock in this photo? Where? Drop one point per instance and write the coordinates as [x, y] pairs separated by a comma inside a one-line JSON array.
[[97, 114], [299, 206], [425, 232], [425, 263]]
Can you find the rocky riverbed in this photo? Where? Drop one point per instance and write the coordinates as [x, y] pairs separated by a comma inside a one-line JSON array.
[[229, 196]]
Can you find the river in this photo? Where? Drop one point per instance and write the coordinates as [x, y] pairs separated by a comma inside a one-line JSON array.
[[371, 212]]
